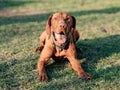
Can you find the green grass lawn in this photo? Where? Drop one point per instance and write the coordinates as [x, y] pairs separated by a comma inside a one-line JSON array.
[[22, 22]]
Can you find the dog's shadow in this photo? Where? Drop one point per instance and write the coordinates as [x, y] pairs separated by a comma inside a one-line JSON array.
[[93, 50], [98, 49]]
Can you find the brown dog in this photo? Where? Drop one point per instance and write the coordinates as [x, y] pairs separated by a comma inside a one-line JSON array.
[[58, 42]]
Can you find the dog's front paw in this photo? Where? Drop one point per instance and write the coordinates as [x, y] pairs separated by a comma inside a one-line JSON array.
[[42, 77], [85, 75]]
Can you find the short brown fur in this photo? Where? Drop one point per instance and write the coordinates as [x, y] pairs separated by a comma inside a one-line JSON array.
[[57, 23]]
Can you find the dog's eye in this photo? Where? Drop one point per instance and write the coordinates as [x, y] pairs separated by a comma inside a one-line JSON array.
[[67, 19], [55, 18]]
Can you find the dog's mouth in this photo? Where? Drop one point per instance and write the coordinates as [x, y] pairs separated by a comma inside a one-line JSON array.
[[60, 37]]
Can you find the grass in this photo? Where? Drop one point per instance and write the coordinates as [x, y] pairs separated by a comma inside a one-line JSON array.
[[21, 23]]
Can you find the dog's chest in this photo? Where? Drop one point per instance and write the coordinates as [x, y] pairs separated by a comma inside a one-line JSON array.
[[60, 53]]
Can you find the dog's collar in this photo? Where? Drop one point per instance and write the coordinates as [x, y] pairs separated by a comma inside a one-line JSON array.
[[63, 46]]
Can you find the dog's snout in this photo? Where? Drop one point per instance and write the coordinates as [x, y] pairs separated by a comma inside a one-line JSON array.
[[62, 24]]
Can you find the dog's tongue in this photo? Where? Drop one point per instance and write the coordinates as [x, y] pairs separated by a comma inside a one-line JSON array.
[[60, 38]]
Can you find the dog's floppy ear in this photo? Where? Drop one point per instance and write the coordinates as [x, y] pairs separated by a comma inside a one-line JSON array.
[[48, 26], [74, 22], [74, 31]]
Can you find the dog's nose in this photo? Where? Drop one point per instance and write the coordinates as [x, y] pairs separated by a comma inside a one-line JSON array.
[[62, 26]]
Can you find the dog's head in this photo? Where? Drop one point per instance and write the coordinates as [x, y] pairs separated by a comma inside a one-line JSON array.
[[60, 24]]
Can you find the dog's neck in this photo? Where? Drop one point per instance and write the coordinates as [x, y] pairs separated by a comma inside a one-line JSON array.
[[61, 47]]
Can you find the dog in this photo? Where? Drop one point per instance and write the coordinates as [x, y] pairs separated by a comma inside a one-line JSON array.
[[58, 42]]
